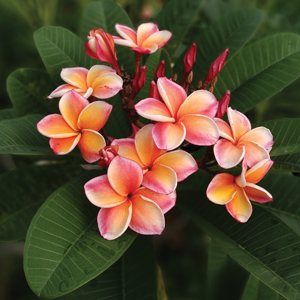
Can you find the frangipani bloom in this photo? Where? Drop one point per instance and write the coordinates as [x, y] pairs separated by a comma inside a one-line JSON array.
[[240, 142], [78, 123], [180, 117], [100, 81], [146, 40], [162, 170], [124, 203], [235, 192]]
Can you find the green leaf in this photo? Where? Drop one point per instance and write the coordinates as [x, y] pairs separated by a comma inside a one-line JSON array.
[[105, 14], [265, 246], [152, 63], [28, 90], [178, 16], [7, 113], [256, 290], [63, 248], [60, 48], [287, 163], [23, 190], [232, 31], [260, 70], [133, 276], [20, 136]]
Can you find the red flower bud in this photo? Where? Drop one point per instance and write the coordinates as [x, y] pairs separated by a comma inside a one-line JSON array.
[[223, 105], [160, 70], [189, 59], [107, 154], [139, 80], [154, 91], [216, 66]]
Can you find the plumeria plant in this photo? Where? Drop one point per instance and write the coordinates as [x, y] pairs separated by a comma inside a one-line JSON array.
[[160, 121]]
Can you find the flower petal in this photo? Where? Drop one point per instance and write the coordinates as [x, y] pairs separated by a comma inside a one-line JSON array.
[[54, 126], [257, 193], [160, 179], [154, 110], [124, 175], [145, 146], [70, 105], [75, 76], [165, 202], [99, 191], [180, 161], [122, 42], [239, 123], [240, 207], [147, 217], [65, 145], [90, 144], [201, 103], [168, 136], [160, 38], [113, 221], [151, 48], [221, 189], [259, 135], [227, 154], [62, 89], [126, 33], [96, 71], [172, 94], [200, 130], [144, 31], [257, 172], [224, 129], [254, 153], [94, 116]]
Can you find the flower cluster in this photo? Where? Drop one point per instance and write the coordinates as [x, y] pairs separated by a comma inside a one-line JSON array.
[[143, 170]]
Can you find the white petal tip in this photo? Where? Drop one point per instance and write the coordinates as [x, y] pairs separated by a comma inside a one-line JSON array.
[[241, 218]]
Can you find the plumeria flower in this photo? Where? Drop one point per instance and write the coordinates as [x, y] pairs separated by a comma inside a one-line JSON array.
[[240, 142], [78, 123], [235, 192], [124, 203], [162, 170], [180, 117], [146, 40], [100, 81]]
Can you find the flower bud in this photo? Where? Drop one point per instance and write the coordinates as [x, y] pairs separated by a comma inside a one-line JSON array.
[[190, 77], [160, 70], [216, 66], [139, 80], [223, 105], [189, 59], [107, 154], [154, 93]]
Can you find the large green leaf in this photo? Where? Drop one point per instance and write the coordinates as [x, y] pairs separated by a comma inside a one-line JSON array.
[[265, 246], [20, 136], [133, 276], [7, 113], [28, 90], [105, 14], [23, 190], [231, 31], [60, 48], [287, 163], [63, 248], [260, 70]]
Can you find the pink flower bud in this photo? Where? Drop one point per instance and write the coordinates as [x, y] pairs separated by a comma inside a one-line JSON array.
[[189, 59], [216, 66], [223, 105], [139, 80], [101, 46], [107, 154], [160, 70], [154, 93]]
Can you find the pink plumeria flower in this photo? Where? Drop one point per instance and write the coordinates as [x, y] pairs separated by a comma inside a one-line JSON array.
[[100, 81], [180, 117], [78, 124], [235, 192], [124, 203], [240, 142], [162, 170], [146, 40]]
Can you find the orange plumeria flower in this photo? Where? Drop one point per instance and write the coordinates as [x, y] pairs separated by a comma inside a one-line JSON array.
[[236, 191], [124, 203], [78, 123], [162, 170], [146, 40], [100, 81]]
